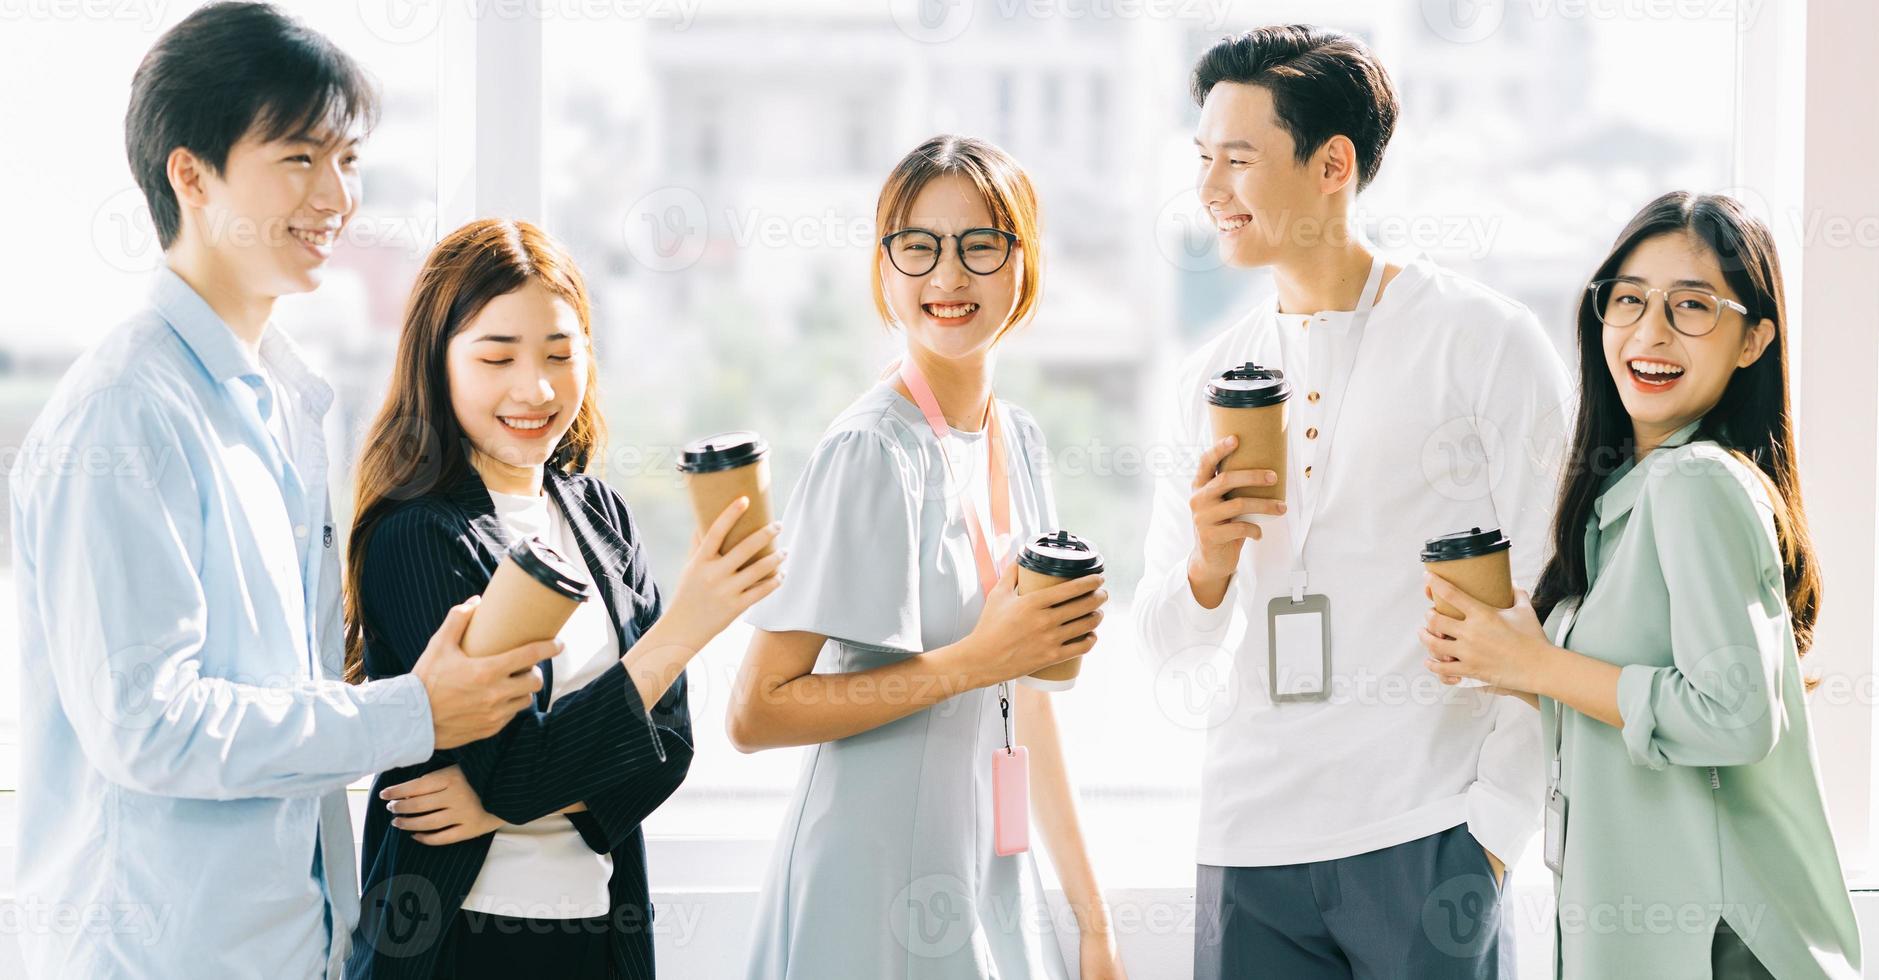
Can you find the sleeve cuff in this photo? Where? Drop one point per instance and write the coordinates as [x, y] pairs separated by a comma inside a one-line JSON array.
[[1505, 802], [636, 708], [397, 711], [1635, 684], [1501, 823], [590, 830], [1195, 616]]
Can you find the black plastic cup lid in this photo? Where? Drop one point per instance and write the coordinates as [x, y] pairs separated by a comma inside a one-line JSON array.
[[1248, 386], [549, 567], [724, 451], [1062, 555], [1471, 543]]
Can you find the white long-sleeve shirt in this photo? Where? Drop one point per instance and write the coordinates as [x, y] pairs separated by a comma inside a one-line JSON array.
[[1454, 416]]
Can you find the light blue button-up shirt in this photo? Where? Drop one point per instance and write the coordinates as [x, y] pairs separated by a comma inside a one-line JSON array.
[[186, 737]]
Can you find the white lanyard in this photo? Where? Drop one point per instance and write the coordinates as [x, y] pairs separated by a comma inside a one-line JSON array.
[[1300, 518], [1557, 769]]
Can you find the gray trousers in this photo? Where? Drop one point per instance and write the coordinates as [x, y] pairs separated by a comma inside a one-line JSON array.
[[1426, 909], [1730, 959]]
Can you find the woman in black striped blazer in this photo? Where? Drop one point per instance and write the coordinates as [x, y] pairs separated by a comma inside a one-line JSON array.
[[520, 855]]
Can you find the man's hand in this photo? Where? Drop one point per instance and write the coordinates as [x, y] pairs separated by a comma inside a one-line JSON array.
[[1219, 533], [473, 697]]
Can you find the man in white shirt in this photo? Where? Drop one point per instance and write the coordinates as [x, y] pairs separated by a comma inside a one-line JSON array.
[[1359, 824]]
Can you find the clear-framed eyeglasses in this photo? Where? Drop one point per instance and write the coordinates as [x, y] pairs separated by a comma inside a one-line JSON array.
[[1692, 311]]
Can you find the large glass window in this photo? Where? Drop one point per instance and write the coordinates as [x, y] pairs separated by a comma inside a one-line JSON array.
[[83, 247], [716, 176], [714, 169]]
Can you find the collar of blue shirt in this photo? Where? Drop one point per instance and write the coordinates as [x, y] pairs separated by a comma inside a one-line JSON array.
[[215, 345]]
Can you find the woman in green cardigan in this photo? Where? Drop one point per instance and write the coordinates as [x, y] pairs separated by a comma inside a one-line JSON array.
[[1685, 826]]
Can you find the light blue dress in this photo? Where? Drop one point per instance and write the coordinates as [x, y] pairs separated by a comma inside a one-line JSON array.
[[884, 868]]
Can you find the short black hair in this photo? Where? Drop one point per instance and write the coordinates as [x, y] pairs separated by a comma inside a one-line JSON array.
[[1323, 84], [226, 70]]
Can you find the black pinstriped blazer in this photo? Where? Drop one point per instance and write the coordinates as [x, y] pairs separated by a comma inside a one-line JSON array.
[[598, 745]]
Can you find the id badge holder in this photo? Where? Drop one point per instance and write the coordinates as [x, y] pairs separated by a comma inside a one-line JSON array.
[[1556, 831], [1011, 791], [1555, 827], [1298, 648], [1011, 801]]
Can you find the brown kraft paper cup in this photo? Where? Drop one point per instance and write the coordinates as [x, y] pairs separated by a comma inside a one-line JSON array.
[[1250, 402], [528, 600], [1487, 578], [1261, 447], [719, 469], [1475, 561], [1053, 559]]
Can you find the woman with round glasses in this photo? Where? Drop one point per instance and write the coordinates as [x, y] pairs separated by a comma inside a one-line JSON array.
[[891, 647], [1685, 821]]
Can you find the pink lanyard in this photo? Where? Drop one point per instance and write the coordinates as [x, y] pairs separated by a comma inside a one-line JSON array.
[[998, 483]]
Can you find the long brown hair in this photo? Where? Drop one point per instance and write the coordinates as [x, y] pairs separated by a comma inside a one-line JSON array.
[[415, 445], [1752, 419]]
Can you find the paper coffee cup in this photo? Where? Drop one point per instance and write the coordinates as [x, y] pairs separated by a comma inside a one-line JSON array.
[[1053, 559], [529, 599], [1476, 562], [1249, 401], [719, 469]]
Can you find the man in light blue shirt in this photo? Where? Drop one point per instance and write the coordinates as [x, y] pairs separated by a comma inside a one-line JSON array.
[[186, 736]]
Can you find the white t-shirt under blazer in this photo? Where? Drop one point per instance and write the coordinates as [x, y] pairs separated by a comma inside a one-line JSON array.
[[1454, 416], [543, 869]]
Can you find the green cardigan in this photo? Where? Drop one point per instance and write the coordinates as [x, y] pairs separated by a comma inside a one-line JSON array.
[[1707, 803]]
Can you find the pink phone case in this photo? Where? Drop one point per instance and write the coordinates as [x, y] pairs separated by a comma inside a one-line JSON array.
[[1011, 801]]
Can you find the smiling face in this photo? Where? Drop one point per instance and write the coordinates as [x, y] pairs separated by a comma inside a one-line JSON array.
[[1264, 203], [1667, 379], [274, 212], [518, 375], [951, 311]]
